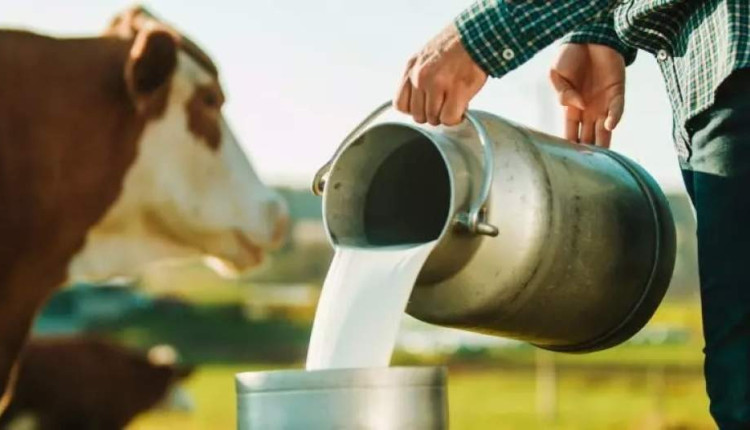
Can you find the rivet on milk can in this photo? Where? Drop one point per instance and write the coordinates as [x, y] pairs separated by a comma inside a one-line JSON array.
[[379, 398], [569, 247]]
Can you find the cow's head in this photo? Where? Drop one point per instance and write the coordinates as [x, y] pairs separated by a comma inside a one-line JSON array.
[[191, 190]]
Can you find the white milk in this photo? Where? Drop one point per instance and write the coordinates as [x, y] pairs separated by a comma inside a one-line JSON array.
[[362, 303]]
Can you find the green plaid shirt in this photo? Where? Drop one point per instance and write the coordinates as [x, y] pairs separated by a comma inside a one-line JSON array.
[[697, 43]]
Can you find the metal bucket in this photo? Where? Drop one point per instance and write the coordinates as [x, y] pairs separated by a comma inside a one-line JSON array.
[[392, 398], [570, 247]]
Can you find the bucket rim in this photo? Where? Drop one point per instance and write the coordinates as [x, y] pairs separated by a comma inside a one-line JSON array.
[[349, 378]]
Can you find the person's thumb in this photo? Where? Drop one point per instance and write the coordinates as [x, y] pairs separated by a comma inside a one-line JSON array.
[[566, 93]]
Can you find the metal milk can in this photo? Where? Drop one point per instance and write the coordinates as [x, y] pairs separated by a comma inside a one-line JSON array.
[[569, 247]]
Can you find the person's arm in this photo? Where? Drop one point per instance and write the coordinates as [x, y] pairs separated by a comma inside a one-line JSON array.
[[500, 35], [492, 37], [601, 31]]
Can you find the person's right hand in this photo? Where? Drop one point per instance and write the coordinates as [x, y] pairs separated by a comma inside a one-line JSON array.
[[439, 81], [590, 83]]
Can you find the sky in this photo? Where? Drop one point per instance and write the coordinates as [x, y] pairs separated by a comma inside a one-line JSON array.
[[300, 74]]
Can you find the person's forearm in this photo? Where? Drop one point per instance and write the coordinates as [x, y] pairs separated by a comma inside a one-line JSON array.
[[602, 32], [500, 35]]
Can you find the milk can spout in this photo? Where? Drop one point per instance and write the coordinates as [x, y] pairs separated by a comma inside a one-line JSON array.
[[474, 220]]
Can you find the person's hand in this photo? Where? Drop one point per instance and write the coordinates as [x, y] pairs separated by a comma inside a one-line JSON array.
[[440, 81], [590, 83]]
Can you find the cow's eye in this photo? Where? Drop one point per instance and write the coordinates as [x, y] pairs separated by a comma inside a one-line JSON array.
[[211, 100]]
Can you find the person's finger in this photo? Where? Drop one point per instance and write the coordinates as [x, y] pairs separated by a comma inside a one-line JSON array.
[[587, 131], [603, 136], [572, 123], [454, 107], [616, 108], [566, 92], [403, 98], [416, 105], [434, 103], [572, 129]]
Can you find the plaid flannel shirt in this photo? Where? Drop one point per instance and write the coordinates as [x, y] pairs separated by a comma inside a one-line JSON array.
[[697, 43]]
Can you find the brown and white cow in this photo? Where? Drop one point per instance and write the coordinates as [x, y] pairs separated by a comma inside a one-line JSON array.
[[114, 153]]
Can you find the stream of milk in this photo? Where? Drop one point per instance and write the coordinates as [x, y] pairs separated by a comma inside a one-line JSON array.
[[362, 303]]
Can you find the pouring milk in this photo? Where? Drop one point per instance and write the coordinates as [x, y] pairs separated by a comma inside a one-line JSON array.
[[367, 286]]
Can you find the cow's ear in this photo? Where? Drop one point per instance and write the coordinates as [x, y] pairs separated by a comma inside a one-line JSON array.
[[127, 23], [149, 68], [183, 371]]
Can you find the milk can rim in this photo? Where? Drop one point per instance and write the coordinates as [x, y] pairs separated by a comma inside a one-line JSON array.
[[420, 129]]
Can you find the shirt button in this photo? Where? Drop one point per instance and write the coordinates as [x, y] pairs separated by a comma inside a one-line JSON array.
[[508, 54], [662, 55]]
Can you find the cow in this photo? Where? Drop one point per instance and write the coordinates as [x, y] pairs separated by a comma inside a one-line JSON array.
[[79, 383], [114, 153]]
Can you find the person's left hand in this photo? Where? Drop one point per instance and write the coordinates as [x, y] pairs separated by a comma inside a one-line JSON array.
[[440, 81], [590, 83]]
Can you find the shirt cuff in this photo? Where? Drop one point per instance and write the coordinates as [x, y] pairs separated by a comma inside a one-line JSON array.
[[602, 33], [488, 34]]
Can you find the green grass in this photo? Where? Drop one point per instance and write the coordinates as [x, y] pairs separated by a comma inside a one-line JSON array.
[[212, 388], [498, 399], [502, 400], [638, 387], [630, 387], [211, 334]]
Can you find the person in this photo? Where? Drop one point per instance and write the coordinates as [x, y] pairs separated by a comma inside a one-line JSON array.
[[703, 50]]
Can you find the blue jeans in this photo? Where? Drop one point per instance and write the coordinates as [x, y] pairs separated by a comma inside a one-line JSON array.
[[717, 177]]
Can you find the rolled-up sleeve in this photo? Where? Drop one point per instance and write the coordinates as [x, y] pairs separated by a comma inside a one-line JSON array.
[[602, 31], [500, 35]]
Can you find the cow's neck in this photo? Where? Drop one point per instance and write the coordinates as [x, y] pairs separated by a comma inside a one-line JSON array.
[[67, 136]]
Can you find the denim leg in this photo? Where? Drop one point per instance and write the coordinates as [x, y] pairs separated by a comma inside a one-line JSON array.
[[723, 211], [719, 185]]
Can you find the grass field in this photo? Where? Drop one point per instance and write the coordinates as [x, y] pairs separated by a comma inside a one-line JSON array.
[[499, 399], [630, 387]]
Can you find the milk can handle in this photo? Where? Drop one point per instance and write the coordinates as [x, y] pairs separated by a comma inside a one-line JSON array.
[[474, 219]]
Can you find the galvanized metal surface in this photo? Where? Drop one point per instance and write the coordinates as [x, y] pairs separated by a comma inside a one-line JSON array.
[[586, 241], [368, 399], [473, 219]]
